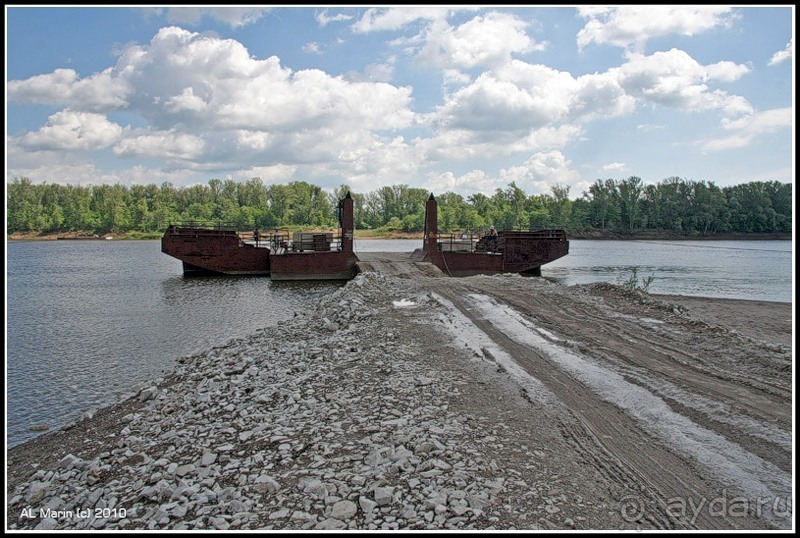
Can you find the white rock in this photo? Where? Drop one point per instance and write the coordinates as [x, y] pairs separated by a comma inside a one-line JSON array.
[[208, 458], [367, 504], [384, 496], [47, 524], [69, 461], [344, 510], [299, 515], [330, 524], [266, 484], [183, 470], [283, 513]]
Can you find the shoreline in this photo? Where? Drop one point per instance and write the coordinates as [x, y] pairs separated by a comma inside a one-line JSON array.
[[409, 435], [595, 235]]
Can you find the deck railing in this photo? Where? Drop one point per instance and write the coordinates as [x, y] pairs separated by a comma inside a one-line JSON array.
[[475, 242], [278, 240]]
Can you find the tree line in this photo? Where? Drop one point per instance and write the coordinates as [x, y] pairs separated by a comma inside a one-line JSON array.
[[624, 206]]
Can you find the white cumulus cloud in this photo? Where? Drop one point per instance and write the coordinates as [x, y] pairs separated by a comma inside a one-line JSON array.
[[745, 129], [541, 171], [394, 18], [614, 167], [486, 40], [311, 47], [183, 83], [323, 18], [536, 175], [186, 100], [727, 71], [632, 26], [474, 181], [675, 79], [783, 55], [163, 145], [520, 107], [73, 130], [99, 92], [516, 97]]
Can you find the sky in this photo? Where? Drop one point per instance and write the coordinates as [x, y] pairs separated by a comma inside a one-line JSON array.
[[462, 99]]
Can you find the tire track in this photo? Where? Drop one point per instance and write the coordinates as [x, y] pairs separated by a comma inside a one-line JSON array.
[[672, 362], [617, 444]]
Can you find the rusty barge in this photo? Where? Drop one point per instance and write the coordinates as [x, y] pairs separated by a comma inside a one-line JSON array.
[[321, 256], [522, 252], [306, 256]]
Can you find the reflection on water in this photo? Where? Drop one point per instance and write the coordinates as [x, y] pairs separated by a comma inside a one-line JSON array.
[[89, 319], [213, 307]]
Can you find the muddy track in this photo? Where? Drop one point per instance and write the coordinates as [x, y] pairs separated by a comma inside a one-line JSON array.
[[672, 408], [677, 358], [602, 434], [704, 376]]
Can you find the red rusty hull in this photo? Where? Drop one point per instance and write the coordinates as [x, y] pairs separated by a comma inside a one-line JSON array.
[[466, 263], [519, 252], [221, 250], [214, 251], [526, 252], [513, 252], [332, 265]]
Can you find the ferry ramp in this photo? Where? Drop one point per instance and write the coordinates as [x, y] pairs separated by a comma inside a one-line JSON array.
[[400, 264]]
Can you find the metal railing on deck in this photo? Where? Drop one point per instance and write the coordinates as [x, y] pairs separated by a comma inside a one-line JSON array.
[[204, 225], [278, 240], [477, 242], [284, 240], [455, 242]]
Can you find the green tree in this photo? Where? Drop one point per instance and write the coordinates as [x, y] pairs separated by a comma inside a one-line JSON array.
[[674, 204], [560, 206], [580, 215], [604, 207], [111, 202], [629, 192], [21, 205], [78, 213]]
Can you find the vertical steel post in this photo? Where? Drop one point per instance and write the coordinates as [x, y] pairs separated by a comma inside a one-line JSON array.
[[431, 225], [347, 223]]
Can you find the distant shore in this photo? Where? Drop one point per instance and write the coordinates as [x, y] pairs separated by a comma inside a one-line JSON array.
[[664, 235], [644, 235]]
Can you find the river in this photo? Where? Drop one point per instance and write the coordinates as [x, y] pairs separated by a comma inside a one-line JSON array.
[[88, 320]]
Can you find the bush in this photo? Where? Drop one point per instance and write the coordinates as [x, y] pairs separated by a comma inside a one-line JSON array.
[[632, 282]]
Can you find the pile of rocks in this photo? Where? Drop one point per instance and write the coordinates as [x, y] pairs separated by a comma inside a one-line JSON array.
[[328, 421]]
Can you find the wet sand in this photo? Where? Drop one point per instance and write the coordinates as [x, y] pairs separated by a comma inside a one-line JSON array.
[[763, 320]]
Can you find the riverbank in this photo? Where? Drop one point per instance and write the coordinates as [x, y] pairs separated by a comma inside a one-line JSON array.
[[397, 404], [663, 235], [645, 235], [82, 236], [128, 236]]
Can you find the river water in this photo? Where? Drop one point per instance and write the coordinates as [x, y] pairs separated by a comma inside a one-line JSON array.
[[87, 320]]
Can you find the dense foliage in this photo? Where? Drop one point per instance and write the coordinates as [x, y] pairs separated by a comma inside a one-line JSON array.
[[623, 206]]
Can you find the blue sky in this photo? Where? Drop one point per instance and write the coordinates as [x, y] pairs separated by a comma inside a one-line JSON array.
[[451, 98]]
